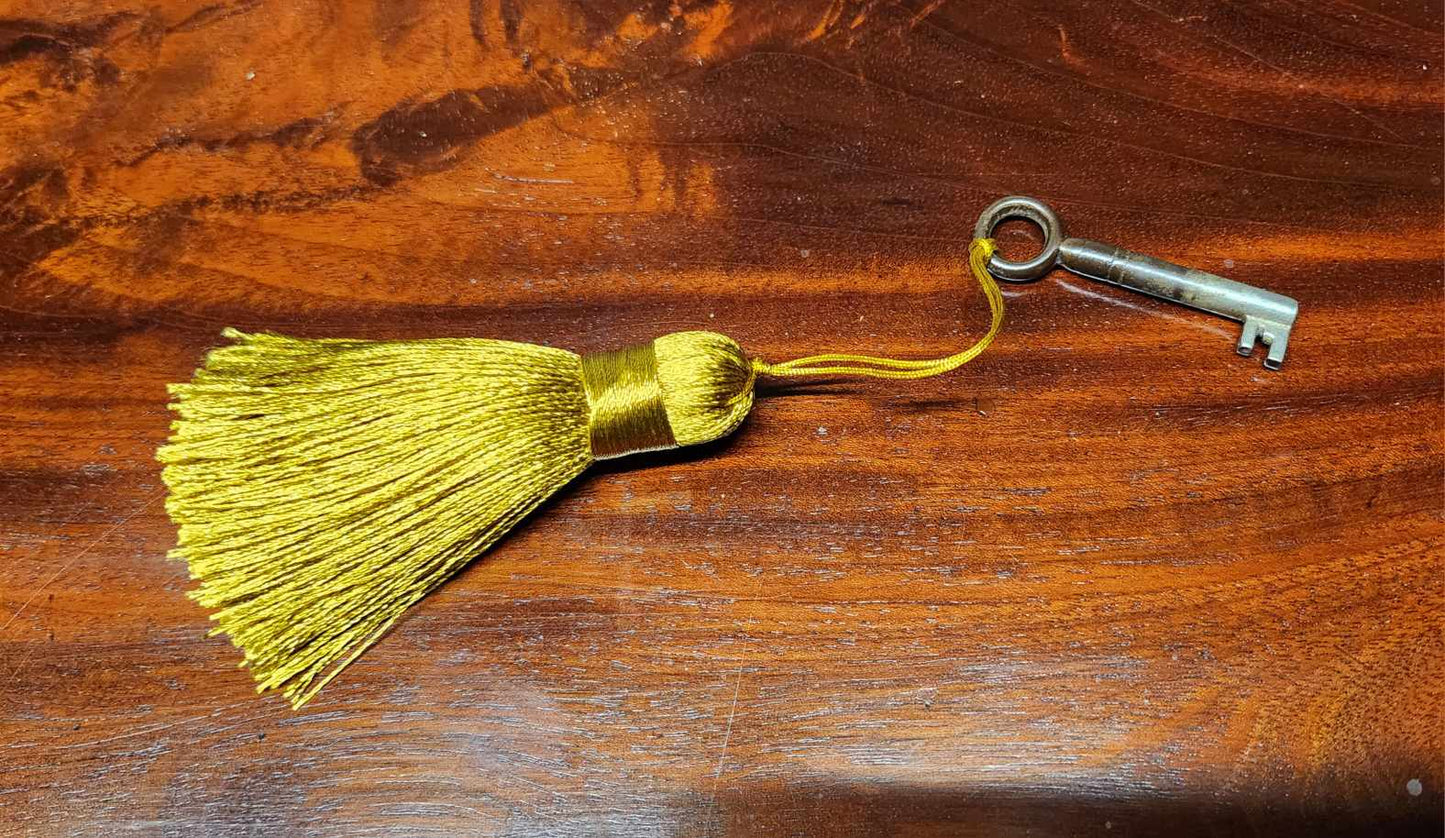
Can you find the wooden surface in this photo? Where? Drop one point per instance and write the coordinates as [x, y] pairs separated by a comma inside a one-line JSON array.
[[1110, 579]]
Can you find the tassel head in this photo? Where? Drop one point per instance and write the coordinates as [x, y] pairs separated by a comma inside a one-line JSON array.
[[707, 383], [685, 388]]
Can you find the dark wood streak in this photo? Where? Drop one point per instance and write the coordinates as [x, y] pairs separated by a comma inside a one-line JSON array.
[[1109, 579]]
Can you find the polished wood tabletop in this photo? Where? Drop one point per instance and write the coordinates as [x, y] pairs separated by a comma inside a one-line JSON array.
[[1108, 579]]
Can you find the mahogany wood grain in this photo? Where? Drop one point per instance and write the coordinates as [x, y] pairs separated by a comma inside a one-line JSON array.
[[1109, 579]]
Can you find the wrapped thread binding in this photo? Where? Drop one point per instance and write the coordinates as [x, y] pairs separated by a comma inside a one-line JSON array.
[[322, 487]]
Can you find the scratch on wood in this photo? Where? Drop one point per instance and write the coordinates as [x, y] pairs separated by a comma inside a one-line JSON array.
[[728, 734], [82, 554]]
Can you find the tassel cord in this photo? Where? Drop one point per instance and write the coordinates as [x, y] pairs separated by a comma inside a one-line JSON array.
[[871, 366]]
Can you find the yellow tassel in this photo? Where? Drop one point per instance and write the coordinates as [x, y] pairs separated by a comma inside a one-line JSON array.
[[322, 487]]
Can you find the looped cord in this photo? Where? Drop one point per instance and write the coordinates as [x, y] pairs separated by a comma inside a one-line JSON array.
[[979, 252], [624, 399]]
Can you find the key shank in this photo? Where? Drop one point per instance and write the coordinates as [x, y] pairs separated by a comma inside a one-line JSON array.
[[1266, 316]]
